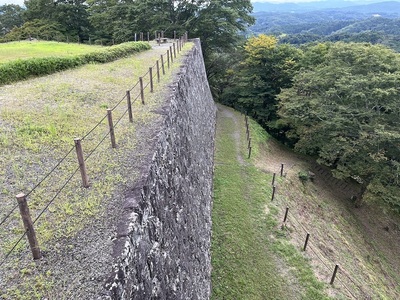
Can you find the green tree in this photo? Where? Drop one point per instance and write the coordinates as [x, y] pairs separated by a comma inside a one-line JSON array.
[[265, 69], [344, 109], [71, 16], [215, 22], [10, 17], [42, 29]]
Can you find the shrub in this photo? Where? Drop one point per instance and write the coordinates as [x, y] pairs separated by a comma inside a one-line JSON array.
[[303, 176], [25, 68]]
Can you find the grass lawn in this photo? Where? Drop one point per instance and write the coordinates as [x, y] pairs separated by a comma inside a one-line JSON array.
[[29, 49], [39, 120]]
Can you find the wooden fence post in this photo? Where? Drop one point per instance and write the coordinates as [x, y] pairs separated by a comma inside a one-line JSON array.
[[28, 225], [151, 79], [273, 193], [129, 102], [148, 36], [162, 64], [158, 71], [141, 89], [286, 214], [173, 46], [111, 127], [306, 242], [170, 52], [273, 179], [334, 274], [282, 166], [81, 161], [168, 58]]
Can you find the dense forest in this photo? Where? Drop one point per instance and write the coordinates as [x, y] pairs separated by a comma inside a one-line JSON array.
[[336, 98], [374, 23]]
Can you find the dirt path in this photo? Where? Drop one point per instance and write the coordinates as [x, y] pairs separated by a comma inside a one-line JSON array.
[[236, 132]]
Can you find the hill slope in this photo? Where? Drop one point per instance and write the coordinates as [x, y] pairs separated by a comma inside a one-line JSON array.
[[247, 226]]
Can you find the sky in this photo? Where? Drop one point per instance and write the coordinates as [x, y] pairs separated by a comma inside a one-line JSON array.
[[21, 2]]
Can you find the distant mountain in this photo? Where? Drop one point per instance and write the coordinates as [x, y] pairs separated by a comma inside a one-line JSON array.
[[391, 7], [373, 23], [359, 6]]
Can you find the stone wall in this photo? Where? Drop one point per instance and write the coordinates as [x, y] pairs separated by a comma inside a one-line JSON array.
[[162, 250]]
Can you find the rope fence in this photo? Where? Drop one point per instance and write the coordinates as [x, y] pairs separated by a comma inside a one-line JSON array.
[[144, 82], [333, 271]]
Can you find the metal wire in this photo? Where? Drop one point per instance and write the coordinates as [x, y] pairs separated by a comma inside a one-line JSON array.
[[52, 170], [119, 102], [120, 118], [55, 196], [9, 214], [68, 153], [320, 258], [134, 86], [145, 73], [146, 86], [12, 249], [346, 288], [137, 97], [297, 222], [97, 125], [97, 146]]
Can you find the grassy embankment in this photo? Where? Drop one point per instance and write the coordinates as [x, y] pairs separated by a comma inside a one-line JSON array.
[[254, 257], [16, 65], [39, 120], [27, 50], [246, 240]]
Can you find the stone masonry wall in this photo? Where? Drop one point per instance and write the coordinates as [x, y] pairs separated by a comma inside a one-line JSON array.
[[163, 246]]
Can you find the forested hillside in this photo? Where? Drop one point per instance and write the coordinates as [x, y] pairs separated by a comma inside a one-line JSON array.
[[338, 102], [374, 23]]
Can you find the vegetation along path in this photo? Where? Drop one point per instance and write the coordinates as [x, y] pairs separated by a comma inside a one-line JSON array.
[[257, 256]]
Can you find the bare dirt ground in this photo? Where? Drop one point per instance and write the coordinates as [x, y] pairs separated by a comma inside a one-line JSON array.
[[364, 241]]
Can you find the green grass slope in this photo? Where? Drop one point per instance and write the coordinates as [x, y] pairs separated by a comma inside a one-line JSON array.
[[26, 49], [45, 61], [256, 256]]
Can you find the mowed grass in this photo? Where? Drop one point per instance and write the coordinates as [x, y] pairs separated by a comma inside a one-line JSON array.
[[29, 49], [251, 256], [39, 120]]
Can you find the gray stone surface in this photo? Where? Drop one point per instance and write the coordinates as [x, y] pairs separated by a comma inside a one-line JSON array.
[[162, 248]]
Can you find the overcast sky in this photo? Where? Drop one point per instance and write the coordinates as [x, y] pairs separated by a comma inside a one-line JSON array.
[[21, 2]]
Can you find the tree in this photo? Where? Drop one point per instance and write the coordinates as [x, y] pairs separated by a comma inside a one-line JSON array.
[[71, 16], [266, 68], [41, 29], [10, 17], [344, 109], [215, 22]]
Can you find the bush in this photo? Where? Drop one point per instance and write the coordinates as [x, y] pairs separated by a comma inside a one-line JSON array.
[[304, 176], [25, 68]]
